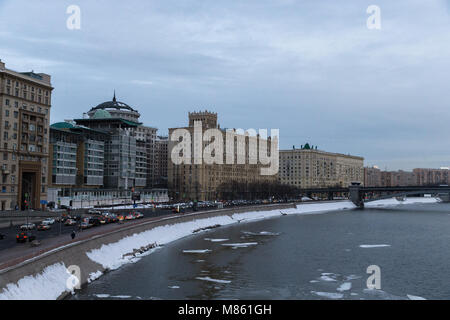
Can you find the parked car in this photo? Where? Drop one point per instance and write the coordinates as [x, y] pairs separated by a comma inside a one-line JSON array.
[[27, 226], [24, 237], [95, 222], [85, 225], [70, 222], [43, 227], [49, 221], [95, 212], [138, 215], [129, 217]]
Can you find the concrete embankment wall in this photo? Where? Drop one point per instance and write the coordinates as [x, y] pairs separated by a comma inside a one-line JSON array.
[[75, 253]]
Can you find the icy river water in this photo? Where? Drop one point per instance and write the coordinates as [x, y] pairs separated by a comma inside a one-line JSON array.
[[315, 256]]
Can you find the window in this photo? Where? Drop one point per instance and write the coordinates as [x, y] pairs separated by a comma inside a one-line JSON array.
[[7, 102], [6, 113]]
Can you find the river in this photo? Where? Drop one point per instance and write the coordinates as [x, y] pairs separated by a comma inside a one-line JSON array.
[[314, 256]]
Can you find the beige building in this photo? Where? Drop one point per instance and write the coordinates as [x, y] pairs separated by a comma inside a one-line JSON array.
[[431, 177], [25, 101], [372, 177], [308, 167], [202, 181]]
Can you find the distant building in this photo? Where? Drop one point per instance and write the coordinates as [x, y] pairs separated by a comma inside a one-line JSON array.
[[25, 103], [308, 167], [431, 177], [76, 156], [161, 161], [203, 181], [372, 177]]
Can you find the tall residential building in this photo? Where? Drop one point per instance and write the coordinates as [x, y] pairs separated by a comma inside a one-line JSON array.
[[202, 181], [308, 167], [25, 102], [76, 156], [161, 161], [372, 177], [146, 137]]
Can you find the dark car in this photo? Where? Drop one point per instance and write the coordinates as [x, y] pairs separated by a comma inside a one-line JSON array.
[[95, 222], [23, 237]]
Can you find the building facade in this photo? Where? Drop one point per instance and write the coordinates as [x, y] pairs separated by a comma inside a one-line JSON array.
[[308, 167], [161, 161], [25, 103], [202, 181]]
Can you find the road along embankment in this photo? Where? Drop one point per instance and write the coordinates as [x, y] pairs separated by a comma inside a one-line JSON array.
[[53, 274]]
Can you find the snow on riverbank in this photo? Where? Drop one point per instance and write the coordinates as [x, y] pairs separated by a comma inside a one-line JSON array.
[[48, 285], [395, 202]]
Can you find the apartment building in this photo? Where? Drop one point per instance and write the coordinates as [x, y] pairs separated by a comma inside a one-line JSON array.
[[308, 167], [25, 103]]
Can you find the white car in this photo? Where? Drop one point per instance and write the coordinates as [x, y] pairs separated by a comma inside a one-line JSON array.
[[48, 221], [28, 226]]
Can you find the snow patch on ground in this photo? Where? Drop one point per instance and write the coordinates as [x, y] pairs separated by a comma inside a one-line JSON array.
[[111, 256], [48, 285]]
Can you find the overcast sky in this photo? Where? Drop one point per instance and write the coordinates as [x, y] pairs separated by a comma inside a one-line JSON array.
[[309, 68]]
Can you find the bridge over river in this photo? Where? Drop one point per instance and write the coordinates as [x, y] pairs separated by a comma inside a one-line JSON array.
[[359, 194]]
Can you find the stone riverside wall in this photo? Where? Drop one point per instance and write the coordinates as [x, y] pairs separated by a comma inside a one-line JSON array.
[[75, 253]]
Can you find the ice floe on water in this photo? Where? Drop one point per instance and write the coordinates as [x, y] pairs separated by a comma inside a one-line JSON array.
[[262, 233], [344, 287], [352, 277], [101, 295], [329, 295], [94, 276], [411, 297], [213, 280], [240, 245], [327, 278], [174, 287], [216, 240], [380, 294], [368, 246], [197, 251]]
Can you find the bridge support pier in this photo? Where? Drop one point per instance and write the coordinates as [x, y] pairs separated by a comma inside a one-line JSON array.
[[356, 196]]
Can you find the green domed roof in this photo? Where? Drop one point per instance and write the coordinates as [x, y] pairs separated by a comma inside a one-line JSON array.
[[62, 125], [101, 114]]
